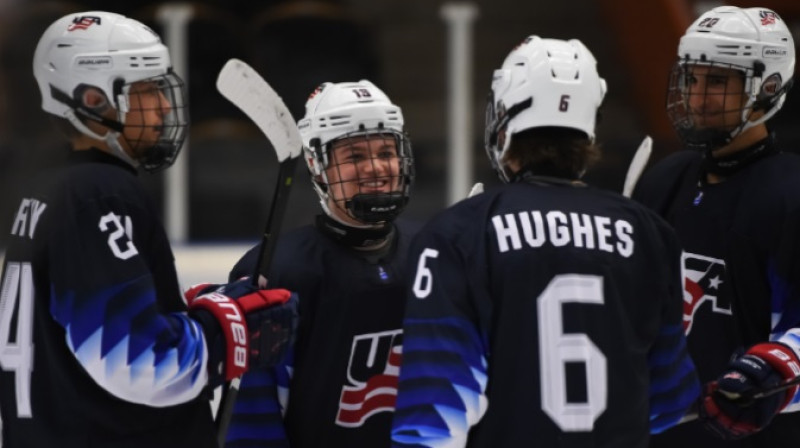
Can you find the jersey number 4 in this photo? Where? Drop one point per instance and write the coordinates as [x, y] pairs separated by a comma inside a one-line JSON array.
[[557, 349], [17, 356]]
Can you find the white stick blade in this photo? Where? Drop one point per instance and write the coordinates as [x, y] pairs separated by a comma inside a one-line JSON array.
[[637, 165], [476, 189], [247, 90]]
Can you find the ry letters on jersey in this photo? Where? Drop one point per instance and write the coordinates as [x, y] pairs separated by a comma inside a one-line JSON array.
[[30, 210]]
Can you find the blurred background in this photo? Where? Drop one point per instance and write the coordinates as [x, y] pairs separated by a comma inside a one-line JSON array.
[[433, 58]]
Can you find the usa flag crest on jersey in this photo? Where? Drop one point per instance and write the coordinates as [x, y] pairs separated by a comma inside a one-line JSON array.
[[373, 373], [703, 278]]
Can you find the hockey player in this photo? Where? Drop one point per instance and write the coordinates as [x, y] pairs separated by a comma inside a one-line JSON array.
[[735, 204], [96, 346], [348, 269], [544, 312]]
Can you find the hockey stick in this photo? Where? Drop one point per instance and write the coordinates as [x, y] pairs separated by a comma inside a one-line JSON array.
[[248, 91], [637, 165], [747, 398]]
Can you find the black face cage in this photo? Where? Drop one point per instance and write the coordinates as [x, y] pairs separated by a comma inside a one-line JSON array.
[[491, 132], [157, 146], [495, 131], [373, 169], [705, 115]]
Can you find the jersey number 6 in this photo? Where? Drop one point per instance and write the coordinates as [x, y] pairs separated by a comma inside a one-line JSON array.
[[556, 348]]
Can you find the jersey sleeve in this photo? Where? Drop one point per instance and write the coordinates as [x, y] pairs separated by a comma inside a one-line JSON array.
[[257, 420], [443, 376], [674, 384], [783, 273], [103, 295]]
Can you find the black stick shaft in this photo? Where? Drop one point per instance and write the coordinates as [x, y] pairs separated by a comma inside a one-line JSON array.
[[277, 210], [268, 243], [225, 412], [775, 389]]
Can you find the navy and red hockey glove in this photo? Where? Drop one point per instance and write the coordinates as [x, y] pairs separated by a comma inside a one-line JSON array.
[[245, 327], [729, 408]]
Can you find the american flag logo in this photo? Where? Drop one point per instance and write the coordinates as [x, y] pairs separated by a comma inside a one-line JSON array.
[[316, 91], [524, 42], [373, 376], [703, 279], [768, 18], [83, 22]]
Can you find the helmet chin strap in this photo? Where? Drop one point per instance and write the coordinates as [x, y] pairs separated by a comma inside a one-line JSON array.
[[749, 124], [111, 138], [730, 164]]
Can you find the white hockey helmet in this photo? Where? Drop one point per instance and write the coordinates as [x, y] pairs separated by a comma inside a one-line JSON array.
[[753, 41], [109, 52], [542, 83], [346, 110]]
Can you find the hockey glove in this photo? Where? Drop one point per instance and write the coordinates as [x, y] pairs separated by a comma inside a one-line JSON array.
[[244, 326], [729, 407]]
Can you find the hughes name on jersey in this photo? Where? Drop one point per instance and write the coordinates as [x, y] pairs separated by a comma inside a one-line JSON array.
[[534, 229], [543, 315]]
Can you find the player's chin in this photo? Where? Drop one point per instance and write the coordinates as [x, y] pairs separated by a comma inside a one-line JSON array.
[[705, 125], [383, 190], [142, 147]]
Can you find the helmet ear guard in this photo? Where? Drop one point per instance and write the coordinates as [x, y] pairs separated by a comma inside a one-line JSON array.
[[319, 159], [772, 93], [84, 96]]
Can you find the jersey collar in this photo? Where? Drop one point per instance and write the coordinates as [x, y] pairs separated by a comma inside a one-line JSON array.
[[94, 155]]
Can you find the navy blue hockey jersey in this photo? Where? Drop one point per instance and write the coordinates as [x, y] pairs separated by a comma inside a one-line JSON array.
[[740, 271], [543, 314], [96, 349], [341, 380]]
